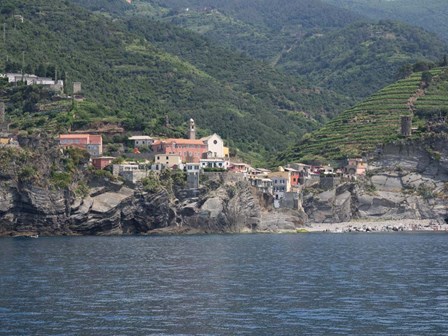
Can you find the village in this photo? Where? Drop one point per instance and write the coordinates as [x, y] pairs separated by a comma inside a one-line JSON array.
[[196, 157]]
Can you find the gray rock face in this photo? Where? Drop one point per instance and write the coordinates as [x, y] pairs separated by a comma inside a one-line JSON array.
[[228, 206], [408, 181]]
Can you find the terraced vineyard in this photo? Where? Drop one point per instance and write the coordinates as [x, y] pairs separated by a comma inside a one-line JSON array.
[[377, 120], [434, 104]]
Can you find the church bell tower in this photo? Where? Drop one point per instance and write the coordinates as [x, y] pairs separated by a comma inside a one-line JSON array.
[[192, 130]]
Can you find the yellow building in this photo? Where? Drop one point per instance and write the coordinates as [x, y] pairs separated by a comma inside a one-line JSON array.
[[226, 152]]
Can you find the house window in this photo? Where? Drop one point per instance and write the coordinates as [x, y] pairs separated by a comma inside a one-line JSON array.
[[215, 142]]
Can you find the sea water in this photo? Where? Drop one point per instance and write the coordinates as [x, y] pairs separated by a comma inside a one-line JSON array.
[[303, 284]]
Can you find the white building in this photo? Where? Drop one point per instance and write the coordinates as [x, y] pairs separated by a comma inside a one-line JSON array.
[[193, 171], [214, 163], [141, 140], [193, 168], [35, 80], [215, 146]]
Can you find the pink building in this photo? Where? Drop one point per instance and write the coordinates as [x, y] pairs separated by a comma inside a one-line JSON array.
[[190, 150], [93, 144]]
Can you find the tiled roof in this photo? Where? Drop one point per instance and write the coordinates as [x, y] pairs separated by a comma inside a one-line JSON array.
[[74, 136], [181, 141], [95, 140]]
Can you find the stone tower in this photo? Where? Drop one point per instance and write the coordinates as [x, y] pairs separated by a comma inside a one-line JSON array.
[[76, 87], [192, 130], [406, 124]]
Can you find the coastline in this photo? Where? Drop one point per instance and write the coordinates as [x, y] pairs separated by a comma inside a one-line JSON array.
[[408, 225]]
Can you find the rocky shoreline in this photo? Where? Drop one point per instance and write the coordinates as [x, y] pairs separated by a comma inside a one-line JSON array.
[[416, 225]]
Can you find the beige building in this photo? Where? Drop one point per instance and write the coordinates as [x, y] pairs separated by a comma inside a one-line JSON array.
[[168, 160]]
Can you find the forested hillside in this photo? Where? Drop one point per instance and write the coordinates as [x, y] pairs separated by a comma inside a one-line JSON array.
[[144, 72], [331, 47], [362, 57], [260, 28], [431, 15]]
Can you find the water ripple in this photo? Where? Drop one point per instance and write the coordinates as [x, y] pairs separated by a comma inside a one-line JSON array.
[[316, 284]]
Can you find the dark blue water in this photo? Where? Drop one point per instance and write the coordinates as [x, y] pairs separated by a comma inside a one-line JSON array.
[[308, 284]]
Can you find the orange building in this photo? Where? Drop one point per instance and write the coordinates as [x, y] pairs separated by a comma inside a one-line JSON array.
[[189, 150]]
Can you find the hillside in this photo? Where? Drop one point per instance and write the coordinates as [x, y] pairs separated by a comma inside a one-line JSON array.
[[431, 15], [332, 48], [259, 28], [362, 57], [128, 70], [376, 121]]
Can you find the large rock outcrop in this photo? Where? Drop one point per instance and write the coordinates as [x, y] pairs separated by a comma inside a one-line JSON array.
[[225, 204], [406, 180]]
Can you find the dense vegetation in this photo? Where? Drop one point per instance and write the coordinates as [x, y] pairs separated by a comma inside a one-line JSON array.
[[431, 15], [143, 71], [359, 130], [139, 71], [331, 47], [362, 57]]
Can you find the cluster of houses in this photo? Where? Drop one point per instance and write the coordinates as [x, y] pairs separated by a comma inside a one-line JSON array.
[[208, 154]]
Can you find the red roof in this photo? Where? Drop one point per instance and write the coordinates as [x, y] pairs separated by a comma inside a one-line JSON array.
[[95, 140], [91, 138]]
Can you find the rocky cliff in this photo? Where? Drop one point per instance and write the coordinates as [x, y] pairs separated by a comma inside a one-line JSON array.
[[224, 204], [405, 180]]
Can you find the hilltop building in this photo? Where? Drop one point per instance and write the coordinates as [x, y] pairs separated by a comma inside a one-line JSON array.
[[56, 85]]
